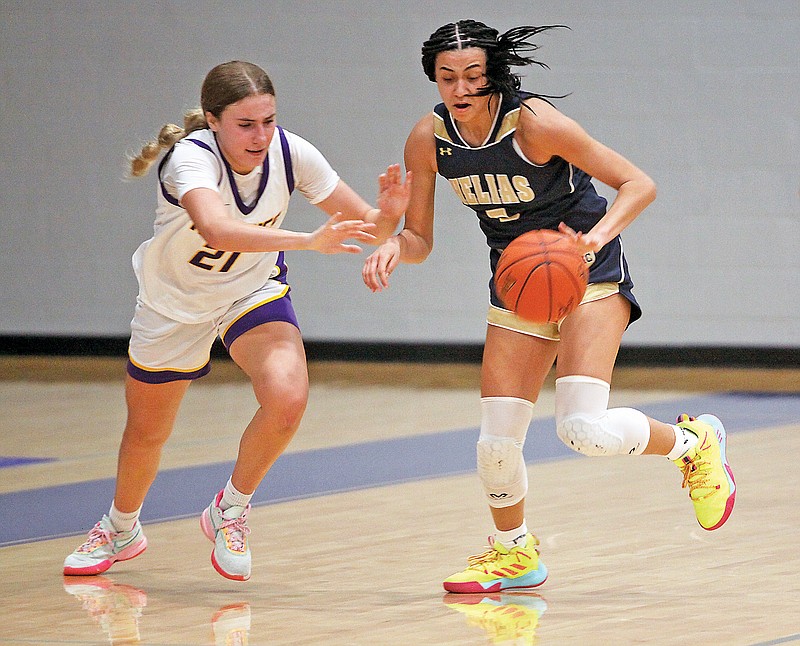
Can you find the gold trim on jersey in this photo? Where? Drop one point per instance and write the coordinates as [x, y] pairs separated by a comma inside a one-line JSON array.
[[506, 319], [509, 124], [440, 130]]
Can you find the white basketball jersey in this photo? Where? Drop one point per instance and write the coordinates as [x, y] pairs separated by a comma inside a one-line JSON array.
[[179, 275]]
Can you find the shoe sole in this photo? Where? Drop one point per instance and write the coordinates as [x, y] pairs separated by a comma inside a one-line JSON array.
[[211, 534], [207, 526], [722, 437], [529, 582], [132, 551]]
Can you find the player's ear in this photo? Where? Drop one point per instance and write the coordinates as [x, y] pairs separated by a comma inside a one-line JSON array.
[[212, 121]]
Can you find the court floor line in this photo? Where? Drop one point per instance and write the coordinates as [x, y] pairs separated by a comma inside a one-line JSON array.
[[780, 640], [66, 510]]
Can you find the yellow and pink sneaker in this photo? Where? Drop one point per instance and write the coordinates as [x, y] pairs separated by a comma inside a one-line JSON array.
[[500, 569], [706, 471]]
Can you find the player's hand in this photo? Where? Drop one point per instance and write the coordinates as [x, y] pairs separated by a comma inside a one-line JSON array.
[[380, 264], [331, 236], [586, 241], [393, 193]]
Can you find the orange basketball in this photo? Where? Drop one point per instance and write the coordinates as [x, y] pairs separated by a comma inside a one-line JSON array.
[[541, 276]]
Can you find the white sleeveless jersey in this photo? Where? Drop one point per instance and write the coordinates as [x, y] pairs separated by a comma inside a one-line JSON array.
[[179, 275]]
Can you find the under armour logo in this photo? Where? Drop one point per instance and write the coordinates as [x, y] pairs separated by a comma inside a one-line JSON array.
[[445, 151]]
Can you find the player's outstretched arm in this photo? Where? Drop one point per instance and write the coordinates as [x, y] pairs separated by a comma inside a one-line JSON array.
[[225, 233], [393, 195], [414, 243]]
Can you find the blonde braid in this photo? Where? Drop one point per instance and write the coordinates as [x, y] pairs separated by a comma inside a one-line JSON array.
[[167, 137]]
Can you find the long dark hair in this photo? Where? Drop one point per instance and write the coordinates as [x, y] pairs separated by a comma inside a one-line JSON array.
[[502, 52]]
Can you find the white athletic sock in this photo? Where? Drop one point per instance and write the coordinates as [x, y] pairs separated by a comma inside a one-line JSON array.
[[512, 538], [684, 440], [232, 497], [123, 521]]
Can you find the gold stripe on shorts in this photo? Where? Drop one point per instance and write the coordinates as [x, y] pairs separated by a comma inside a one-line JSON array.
[[506, 319], [138, 365], [599, 291]]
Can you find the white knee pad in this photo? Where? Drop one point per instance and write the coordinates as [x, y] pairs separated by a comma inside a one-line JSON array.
[[584, 423], [501, 465]]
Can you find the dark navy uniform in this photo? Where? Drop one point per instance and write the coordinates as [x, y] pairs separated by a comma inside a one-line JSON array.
[[511, 195]]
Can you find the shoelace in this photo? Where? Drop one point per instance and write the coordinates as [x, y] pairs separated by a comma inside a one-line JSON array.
[[492, 554], [237, 530], [487, 556], [695, 470], [97, 536], [695, 476]]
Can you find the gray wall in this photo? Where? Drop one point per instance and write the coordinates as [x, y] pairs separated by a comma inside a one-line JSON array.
[[703, 95]]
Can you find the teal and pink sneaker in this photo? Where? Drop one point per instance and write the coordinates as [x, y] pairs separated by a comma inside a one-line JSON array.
[[228, 531], [104, 547]]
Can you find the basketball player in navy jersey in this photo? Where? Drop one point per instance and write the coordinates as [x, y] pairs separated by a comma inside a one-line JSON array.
[[520, 164], [224, 188]]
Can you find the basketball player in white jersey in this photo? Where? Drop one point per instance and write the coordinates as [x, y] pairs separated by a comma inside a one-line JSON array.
[[215, 267]]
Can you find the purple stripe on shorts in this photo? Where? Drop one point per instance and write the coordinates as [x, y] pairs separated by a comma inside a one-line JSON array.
[[165, 376], [278, 310]]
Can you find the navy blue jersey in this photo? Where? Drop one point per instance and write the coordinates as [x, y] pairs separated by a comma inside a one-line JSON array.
[[512, 195]]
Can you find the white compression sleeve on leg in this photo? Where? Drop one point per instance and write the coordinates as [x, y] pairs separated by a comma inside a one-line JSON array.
[[586, 425], [501, 465]]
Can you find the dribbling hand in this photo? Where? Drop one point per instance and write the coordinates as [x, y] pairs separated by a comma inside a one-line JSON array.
[[586, 241]]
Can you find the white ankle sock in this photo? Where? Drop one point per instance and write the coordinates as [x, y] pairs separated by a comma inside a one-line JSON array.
[[513, 537], [123, 521], [684, 440], [232, 497]]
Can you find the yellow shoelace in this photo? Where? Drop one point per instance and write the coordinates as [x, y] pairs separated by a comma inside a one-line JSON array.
[[492, 554], [695, 476], [489, 555]]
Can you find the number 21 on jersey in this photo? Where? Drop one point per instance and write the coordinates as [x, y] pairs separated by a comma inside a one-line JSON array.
[[214, 260]]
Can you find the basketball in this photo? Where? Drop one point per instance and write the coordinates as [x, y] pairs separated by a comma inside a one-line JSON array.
[[541, 276]]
